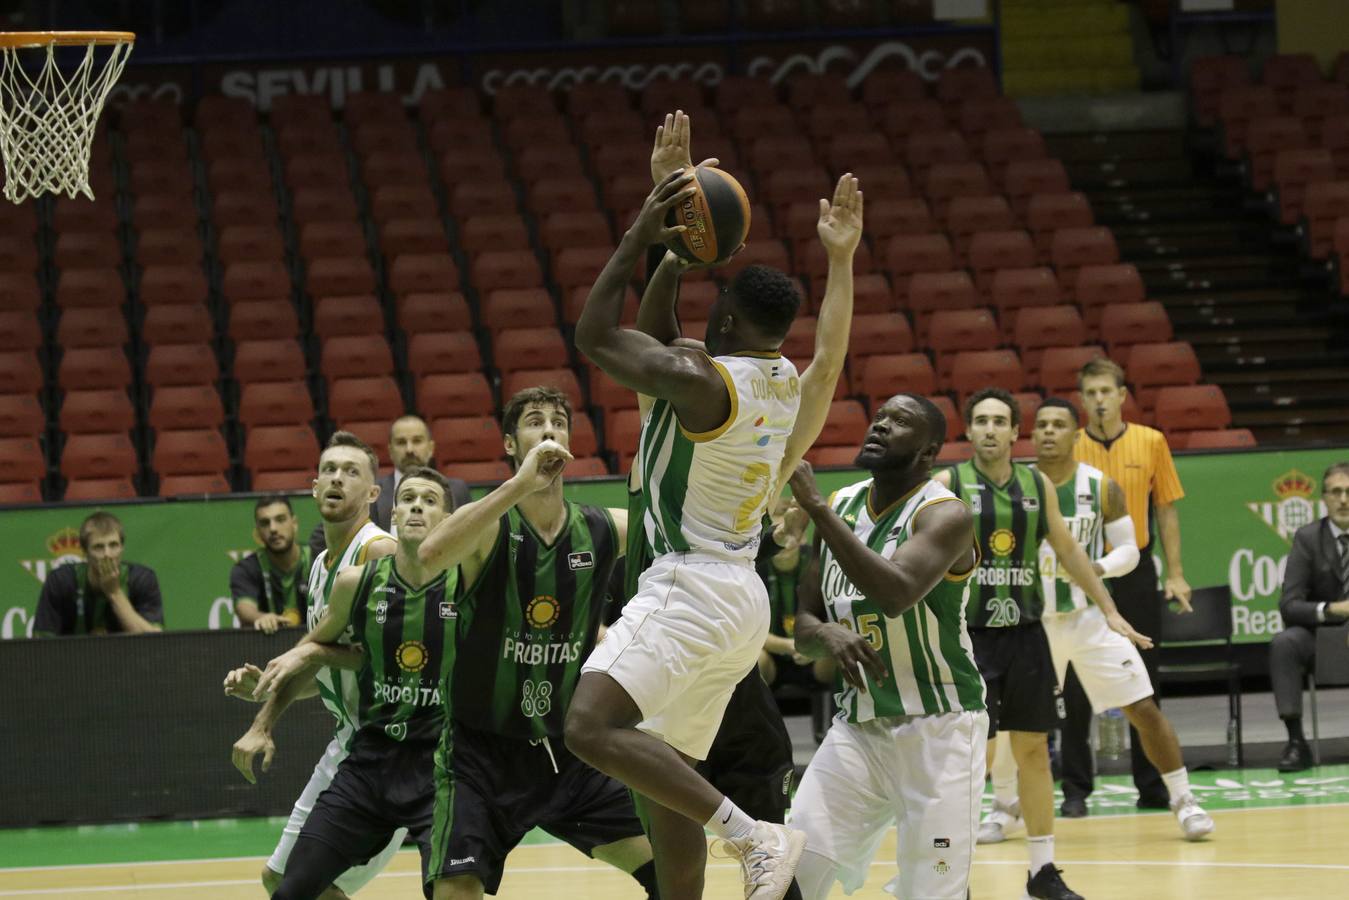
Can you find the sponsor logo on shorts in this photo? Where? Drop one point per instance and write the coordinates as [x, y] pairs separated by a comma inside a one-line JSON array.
[[583, 560], [462, 862], [941, 843]]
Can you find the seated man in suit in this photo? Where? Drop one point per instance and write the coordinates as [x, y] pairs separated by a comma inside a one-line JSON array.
[[1315, 588], [410, 448]]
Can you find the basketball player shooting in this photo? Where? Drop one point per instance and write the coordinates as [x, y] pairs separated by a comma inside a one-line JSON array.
[[651, 697]]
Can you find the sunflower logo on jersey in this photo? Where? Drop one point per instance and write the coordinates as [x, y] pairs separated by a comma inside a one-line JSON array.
[[1002, 542], [542, 611], [411, 656]]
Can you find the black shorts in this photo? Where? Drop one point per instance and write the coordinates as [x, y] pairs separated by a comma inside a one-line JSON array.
[[381, 786], [501, 788], [1019, 670], [751, 758]]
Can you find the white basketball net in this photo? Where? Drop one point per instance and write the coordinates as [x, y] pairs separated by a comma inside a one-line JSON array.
[[47, 117]]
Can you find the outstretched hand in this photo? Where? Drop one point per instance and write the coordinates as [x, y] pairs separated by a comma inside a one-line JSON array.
[[649, 227], [670, 153], [840, 225], [1120, 625], [804, 488], [240, 683]]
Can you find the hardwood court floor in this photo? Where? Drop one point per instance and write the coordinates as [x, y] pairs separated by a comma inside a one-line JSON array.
[[1257, 853]]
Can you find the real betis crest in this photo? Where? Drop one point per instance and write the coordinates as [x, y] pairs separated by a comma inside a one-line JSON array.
[[1292, 506]]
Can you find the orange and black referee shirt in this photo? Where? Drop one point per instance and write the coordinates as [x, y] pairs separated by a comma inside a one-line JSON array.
[[1140, 463]]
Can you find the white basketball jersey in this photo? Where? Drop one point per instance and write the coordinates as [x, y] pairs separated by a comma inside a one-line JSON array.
[[709, 491], [337, 687]]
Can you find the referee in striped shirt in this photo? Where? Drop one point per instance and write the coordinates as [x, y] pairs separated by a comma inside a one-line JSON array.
[[1139, 461]]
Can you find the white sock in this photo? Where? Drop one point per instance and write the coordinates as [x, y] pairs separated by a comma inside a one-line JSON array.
[[730, 822], [1041, 852], [1004, 773], [1177, 783]]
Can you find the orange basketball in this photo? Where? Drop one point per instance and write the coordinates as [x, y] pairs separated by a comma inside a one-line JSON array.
[[716, 218]]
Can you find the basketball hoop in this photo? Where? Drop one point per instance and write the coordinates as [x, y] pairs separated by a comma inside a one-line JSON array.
[[49, 104]]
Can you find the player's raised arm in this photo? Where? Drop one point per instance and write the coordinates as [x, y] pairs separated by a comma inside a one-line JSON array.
[[840, 229], [942, 540], [1079, 565], [686, 378], [473, 528], [318, 648]]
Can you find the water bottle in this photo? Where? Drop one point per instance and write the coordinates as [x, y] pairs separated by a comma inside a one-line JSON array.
[[1112, 728], [1232, 757]]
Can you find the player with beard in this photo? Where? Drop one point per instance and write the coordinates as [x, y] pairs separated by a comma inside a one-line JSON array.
[[885, 598], [1016, 509], [344, 489]]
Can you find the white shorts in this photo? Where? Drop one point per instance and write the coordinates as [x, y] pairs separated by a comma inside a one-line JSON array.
[[925, 774], [693, 630], [1107, 664], [355, 878]]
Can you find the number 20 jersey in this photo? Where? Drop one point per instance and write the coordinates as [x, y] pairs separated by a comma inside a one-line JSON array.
[[708, 491], [929, 660]]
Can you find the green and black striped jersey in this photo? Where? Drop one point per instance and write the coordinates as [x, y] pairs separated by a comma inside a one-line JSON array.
[[529, 622], [1010, 524], [409, 639]]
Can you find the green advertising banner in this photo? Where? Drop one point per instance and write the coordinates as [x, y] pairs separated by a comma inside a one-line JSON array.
[[1237, 522]]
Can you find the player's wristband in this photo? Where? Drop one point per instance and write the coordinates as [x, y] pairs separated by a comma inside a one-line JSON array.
[[1124, 557]]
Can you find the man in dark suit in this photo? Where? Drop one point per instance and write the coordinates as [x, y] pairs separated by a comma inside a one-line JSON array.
[[410, 447], [1315, 588]]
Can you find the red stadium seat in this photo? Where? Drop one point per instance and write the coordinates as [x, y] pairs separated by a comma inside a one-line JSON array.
[[576, 267], [91, 328], [454, 395], [1326, 201], [19, 291], [250, 243], [775, 151], [1126, 324], [261, 320], [1294, 171], [332, 240], [283, 480], [971, 371], [244, 174], [1002, 147], [414, 273], [979, 115], [431, 352], [376, 435], [244, 207], [621, 435], [356, 315], [585, 228], [1024, 178], [1335, 138], [97, 412], [925, 149], [474, 198], [170, 365], [80, 250], [889, 181], [881, 377], [185, 485], [907, 255], [90, 288], [93, 368], [499, 269], [523, 100], [19, 330], [197, 452], [434, 311], [412, 236], [582, 440], [966, 216], [98, 456], [1046, 213], [172, 284], [21, 460], [329, 203], [1152, 366], [955, 452], [321, 171], [845, 425], [18, 253], [268, 360], [1265, 137], [529, 348], [516, 308], [1097, 286], [356, 356], [764, 253], [91, 489], [879, 333], [964, 83], [951, 331], [402, 168], [946, 181], [1237, 105], [185, 407], [494, 471], [1221, 439], [587, 467], [1016, 289], [20, 373], [1287, 73], [608, 394], [460, 133], [281, 448], [562, 379], [21, 415], [561, 194], [886, 218], [845, 152], [255, 281], [81, 214], [275, 403], [496, 231], [994, 250], [1198, 407], [450, 102], [467, 439], [1073, 248], [1059, 366], [354, 399], [885, 86], [933, 291], [17, 492], [1040, 327], [339, 277], [904, 116]]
